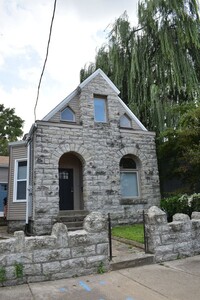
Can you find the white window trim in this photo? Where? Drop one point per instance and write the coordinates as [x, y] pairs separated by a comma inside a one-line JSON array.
[[138, 185], [15, 181]]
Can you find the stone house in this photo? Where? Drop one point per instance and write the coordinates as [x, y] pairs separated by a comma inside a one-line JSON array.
[[90, 153]]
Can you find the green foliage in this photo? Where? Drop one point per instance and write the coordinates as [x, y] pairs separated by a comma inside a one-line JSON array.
[[194, 202], [10, 128], [175, 204], [155, 65], [2, 274], [180, 148], [18, 270], [101, 269], [180, 204], [130, 232]]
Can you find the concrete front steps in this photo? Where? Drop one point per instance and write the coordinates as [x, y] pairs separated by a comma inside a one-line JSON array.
[[73, 219], [128, 254], [131, 260]]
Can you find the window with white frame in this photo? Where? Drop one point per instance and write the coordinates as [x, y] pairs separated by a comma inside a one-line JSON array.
[[20, 180], [100, 110], [129, 177], [67, 115]]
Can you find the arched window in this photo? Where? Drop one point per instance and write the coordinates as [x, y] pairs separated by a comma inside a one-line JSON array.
[[67, 115], [125, 121], [129, 177]]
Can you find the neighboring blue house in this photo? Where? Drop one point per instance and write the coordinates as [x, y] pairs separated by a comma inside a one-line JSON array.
[[4, 164]]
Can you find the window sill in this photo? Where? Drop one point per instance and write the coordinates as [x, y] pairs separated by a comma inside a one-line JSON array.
[[19, 201], [132, 201]]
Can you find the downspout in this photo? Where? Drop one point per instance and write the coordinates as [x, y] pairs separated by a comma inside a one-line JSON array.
[[33, 128], [28, 181]]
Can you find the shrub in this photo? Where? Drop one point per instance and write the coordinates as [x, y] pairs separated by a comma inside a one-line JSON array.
[[180, 204], [194, 202]]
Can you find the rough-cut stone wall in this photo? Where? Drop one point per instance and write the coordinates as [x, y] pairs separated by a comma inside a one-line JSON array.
[[63, 254], [169, 241], [100, 147]]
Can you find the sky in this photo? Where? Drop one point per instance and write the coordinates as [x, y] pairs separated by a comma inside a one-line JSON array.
[[80, 27]]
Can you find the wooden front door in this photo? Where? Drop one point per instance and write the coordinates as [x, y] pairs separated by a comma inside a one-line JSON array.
[[66, 189]]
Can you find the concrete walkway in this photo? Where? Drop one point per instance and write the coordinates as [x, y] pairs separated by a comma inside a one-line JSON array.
[[176, 280]]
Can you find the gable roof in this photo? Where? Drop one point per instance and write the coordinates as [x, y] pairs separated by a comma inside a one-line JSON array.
[[65, 101]]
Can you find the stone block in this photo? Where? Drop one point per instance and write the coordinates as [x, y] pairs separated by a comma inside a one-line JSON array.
[[7, 246], [78, 238], [40, 256], [102, 249], [181, 218], [61, 233], [51, 267], [19, 241], [83, 251], [40, 242], [156, 216], [72, 264], [95, 222], [195, 215], [22, 258], [176, 226], [32, 270], [94, 261]]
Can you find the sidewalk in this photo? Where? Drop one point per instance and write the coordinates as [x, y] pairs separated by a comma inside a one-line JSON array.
[[175, 280]]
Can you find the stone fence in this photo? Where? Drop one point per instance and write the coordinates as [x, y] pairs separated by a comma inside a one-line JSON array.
[[169, 241], [62, 254]]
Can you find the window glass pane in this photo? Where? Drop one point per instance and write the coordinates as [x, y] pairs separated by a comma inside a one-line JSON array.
[[22, 169], [21, 190], [67, 115], [99, 110], [129, 185], [127, 163], [125, 121]]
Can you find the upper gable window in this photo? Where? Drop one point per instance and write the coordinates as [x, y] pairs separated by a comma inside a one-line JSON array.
[[125, 121], [67, 115], [100, 113]]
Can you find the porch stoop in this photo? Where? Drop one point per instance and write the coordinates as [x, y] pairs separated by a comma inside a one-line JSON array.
[[128, 255], [130, 261], [73, 219]]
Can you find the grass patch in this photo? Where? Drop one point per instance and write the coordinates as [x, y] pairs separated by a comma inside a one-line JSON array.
[[130, 232]]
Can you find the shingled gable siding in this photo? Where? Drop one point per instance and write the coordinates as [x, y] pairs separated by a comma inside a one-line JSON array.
[[101, 146], [16, 211]]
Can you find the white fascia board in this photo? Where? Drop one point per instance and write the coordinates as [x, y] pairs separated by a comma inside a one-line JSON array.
[[93, 75], [60, 105], [131, 115]]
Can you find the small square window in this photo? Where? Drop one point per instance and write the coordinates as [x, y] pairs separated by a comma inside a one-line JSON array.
[[100, 110]]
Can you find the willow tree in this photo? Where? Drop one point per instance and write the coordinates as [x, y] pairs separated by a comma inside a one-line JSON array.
[[155, 65]]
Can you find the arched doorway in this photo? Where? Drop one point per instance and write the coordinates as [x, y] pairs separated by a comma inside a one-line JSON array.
[[70, 182]]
